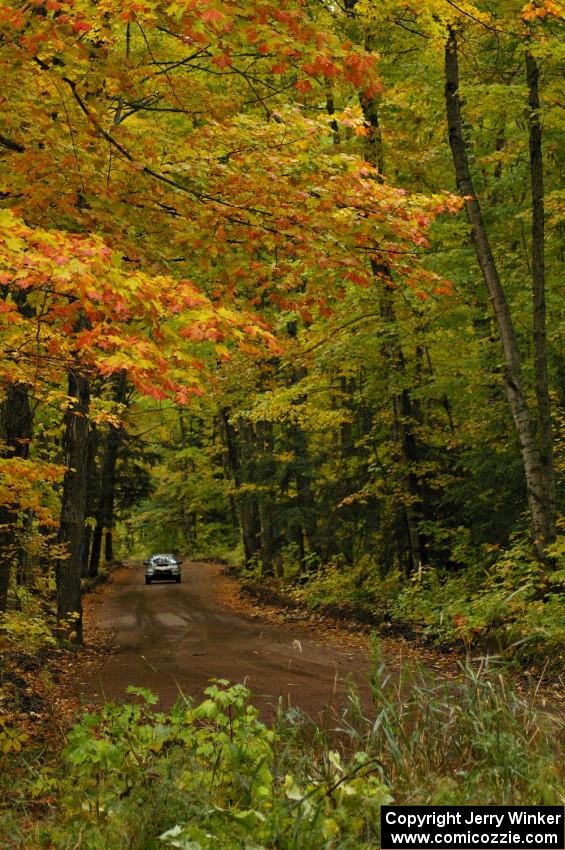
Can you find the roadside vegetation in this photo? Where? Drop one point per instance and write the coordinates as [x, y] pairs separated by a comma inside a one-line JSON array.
[[211, 774], [497, 611]]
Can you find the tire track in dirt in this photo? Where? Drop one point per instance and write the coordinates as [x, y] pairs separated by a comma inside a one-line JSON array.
[[173, 638]]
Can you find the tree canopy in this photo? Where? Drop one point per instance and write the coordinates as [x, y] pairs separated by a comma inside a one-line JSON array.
[[279, 282]]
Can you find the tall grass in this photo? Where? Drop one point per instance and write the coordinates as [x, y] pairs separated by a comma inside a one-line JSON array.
[[473, 739]]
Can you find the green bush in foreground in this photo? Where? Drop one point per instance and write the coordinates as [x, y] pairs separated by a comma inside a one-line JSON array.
[[209, 776], [215, 776]]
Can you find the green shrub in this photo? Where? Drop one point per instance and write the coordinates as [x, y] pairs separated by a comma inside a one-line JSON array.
[[357, 589], [210, 776], [503, 609], [29, 627]]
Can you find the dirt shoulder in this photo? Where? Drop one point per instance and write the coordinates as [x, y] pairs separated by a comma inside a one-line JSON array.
[[396, 650]]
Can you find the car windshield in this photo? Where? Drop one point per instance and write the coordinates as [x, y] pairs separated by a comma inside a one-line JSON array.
[[167, 558]]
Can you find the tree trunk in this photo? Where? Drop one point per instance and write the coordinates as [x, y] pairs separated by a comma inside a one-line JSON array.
[[244, 502], [374, 151], [109, 543], [105, 510], [95, 549], [309, 533], [73, 507], [270, 554], [271, 561], [6, 555], [545, 432], [188, 518], [16, 424], [392, 350], [92, 488], [412, 508], [540, 501], [246, 447], [25, 558]]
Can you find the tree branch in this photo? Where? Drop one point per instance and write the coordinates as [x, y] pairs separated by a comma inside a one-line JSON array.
[[11, 145]]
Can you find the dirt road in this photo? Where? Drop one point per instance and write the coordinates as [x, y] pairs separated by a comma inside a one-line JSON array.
[[175, 637]]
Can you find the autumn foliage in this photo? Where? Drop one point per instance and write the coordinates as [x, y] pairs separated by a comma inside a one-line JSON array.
[[279, 285], [206, 205]]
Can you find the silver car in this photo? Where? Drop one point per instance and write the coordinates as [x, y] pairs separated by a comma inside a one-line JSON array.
[[162, 566]]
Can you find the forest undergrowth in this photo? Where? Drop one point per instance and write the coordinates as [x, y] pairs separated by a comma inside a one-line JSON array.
[[496, 609]]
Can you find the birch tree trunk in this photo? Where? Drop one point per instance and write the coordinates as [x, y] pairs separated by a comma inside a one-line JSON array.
[[541, 502]]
